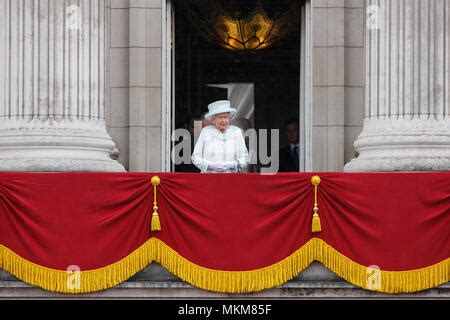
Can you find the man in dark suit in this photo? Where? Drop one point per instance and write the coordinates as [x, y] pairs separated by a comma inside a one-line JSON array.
[[289, 161]]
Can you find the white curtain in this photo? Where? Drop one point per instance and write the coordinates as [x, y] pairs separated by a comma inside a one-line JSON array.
[[242, 97]]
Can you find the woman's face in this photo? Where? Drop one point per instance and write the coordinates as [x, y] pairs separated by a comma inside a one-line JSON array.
[[222, 121]]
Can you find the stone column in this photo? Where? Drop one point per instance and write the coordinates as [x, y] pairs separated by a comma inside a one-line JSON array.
[[407, 122], [52, 87]]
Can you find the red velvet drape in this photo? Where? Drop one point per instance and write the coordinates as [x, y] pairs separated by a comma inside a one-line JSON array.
[[397, 221]]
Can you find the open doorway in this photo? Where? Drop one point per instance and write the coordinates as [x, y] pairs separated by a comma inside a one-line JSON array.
[[266, 85]]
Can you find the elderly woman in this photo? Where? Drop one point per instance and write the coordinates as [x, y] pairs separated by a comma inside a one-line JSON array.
[[220, 146]]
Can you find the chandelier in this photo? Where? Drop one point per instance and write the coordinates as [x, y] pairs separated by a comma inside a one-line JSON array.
[[243, 27]]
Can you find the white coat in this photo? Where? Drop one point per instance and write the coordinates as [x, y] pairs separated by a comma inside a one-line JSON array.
[[224, 149]]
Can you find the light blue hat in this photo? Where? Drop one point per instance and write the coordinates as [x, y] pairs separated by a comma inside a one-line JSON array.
[[220, 106]]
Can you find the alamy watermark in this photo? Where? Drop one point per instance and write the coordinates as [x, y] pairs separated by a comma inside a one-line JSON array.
[[375, 17], [73, 18], [374, 278], [258, 144], [73, 277]]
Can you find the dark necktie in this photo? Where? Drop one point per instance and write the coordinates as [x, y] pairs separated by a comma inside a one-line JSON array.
[[295, 157]]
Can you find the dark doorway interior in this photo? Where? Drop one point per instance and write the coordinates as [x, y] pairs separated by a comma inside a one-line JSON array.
[[199, 63]]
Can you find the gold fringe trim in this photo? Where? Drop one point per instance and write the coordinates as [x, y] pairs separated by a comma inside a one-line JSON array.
[[224, 281], [66, 282], [388, 281], [234, 281]]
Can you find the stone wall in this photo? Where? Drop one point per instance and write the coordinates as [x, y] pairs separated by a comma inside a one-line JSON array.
[[136, 81], [338, 85]]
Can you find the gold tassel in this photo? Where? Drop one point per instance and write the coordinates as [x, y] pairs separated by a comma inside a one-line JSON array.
[[156, 224], [316, 226]]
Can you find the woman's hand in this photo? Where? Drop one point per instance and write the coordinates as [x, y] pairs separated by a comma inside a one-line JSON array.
[[216, 167], [230, 165], [221, 167]]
